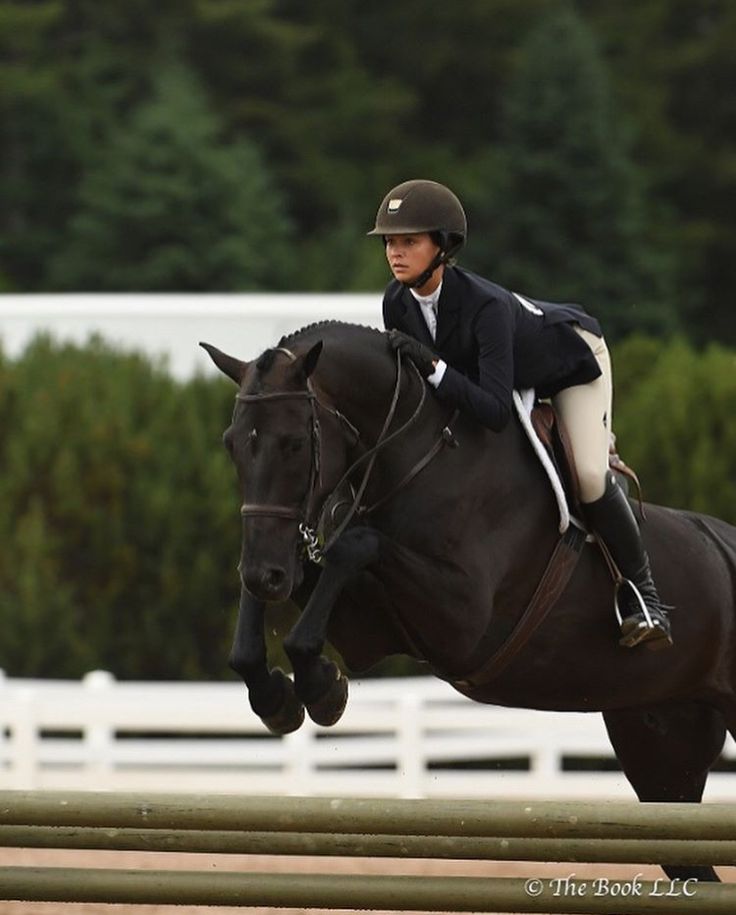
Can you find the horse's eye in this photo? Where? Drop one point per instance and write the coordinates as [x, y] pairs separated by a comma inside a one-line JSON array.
[[227, 439]]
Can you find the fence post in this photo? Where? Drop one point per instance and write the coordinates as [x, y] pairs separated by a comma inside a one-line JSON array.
[[300, 767], [411, 763], [545, 768], [99, 735], [4, 749], [24, 760]]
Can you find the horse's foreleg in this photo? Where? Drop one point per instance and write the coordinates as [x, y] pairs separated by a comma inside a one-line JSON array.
[[271, 692], [319, 683]]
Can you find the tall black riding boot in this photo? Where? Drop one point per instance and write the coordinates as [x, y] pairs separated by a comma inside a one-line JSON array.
[[643, 616]]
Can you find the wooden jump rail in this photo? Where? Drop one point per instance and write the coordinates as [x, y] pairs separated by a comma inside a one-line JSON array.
[[612, 832]]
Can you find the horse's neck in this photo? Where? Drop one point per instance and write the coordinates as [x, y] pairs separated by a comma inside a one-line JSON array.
[[361, 385]]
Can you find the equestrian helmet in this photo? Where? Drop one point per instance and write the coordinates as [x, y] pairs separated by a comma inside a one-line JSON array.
[[422, 206]]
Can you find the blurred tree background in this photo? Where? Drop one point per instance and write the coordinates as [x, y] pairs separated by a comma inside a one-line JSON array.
[[231, 145], [120, 533], [226, 145]]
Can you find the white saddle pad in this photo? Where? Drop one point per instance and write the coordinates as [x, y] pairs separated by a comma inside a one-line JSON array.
[[524, 402]]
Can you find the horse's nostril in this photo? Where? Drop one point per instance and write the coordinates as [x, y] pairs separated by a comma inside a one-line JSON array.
[[265, 581], [274, 578]]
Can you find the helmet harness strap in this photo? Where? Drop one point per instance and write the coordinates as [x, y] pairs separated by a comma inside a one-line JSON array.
[[443, 255]]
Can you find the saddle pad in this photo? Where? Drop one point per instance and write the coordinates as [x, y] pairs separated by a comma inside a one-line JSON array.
[[524, 402]]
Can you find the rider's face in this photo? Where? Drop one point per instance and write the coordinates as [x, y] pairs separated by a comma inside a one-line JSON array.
[[410, 255]]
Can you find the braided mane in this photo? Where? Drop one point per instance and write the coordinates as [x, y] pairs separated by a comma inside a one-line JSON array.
[[266, 359], [318, 325]]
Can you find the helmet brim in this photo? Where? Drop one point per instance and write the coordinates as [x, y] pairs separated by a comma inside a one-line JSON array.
[[400, 230]]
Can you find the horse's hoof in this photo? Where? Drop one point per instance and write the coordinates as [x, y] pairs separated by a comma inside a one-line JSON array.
[[328, 709], [289, 716]]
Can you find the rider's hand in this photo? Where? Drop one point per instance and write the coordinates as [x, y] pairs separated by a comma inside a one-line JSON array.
[[421, 355]]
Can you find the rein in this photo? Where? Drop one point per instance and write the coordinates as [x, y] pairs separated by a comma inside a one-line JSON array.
[[303, 513]]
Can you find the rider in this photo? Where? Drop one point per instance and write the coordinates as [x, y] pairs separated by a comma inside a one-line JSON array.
[[475, 342]]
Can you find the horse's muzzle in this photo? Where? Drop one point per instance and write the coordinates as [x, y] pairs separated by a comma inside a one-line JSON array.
[[267, 582]]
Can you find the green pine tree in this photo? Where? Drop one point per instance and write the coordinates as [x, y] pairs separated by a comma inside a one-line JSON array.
[[171, 205], [568, 220], [34, 162]]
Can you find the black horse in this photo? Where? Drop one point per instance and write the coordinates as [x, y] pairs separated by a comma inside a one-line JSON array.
[[434, 551]]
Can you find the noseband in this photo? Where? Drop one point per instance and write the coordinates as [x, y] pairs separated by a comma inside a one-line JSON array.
[[303, 513]]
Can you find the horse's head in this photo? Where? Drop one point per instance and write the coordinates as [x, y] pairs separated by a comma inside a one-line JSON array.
[[288, 451]]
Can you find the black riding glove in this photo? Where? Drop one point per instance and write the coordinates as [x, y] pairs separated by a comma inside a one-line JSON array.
[[421, 355]]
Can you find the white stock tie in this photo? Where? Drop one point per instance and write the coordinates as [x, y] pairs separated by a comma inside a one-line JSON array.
[[433, 320]]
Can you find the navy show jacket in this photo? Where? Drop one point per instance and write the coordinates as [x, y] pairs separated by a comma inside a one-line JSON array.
[[494, 341]]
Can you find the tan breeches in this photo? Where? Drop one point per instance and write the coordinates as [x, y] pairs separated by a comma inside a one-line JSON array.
[[585, 411]]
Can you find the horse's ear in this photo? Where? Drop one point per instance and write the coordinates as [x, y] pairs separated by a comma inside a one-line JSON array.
[[228, 365], [310, 360]]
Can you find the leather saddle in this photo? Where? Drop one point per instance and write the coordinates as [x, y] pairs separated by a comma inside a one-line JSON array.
[[552, 434]]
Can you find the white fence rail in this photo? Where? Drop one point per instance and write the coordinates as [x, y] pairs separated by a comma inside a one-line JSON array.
[[171, 325], [409, 738]]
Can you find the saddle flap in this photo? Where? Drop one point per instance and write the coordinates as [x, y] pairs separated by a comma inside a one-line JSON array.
[[551, 433], [543, 420]]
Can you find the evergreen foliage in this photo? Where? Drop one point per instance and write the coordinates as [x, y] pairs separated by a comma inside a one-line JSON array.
[[169, 206], [674, 423], [673, 65], [332, 102], [569, 221], [31, 140], [119, 528]]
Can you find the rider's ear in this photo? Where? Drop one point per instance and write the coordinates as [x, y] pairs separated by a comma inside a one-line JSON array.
[[228, 365], [310, 360]]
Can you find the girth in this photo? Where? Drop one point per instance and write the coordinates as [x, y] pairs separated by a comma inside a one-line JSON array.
[[557, 574]]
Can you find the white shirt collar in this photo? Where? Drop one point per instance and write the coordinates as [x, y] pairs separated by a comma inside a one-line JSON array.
[[428, 300]]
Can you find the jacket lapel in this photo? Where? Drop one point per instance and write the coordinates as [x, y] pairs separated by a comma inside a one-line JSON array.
[[414, 319], [448, 309]]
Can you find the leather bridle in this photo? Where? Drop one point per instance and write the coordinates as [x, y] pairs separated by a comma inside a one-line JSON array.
[[311, 530]]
